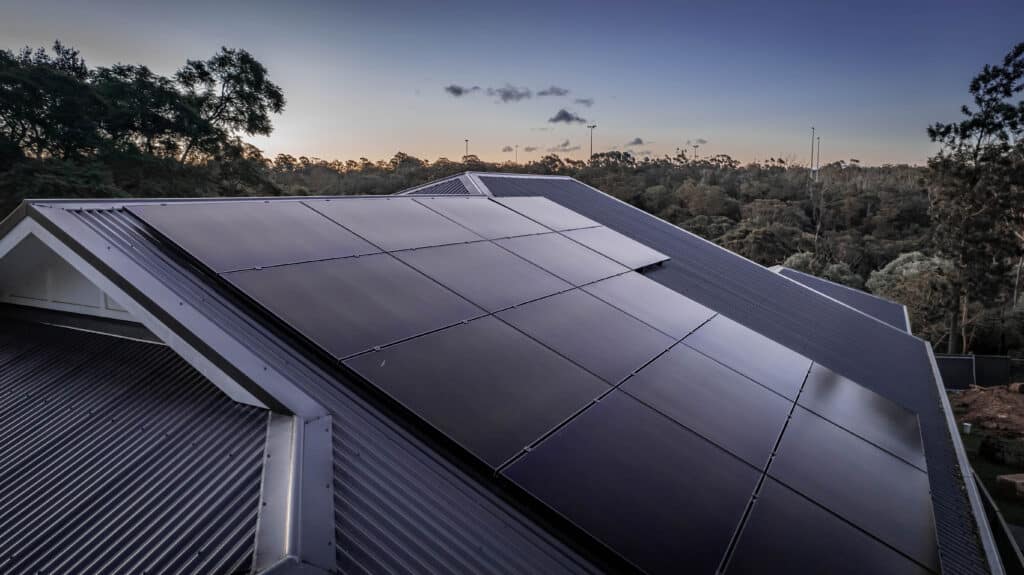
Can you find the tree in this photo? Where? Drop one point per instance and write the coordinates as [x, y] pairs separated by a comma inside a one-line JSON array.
[[975, 189], [922, 283], [230, 93]]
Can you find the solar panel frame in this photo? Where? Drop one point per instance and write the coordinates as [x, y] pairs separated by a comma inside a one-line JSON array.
[[617, 247], [656, 305], [483, 217], [395, 222], [563, 257], [547, 213]]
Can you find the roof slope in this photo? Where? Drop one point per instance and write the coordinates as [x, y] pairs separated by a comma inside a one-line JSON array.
[[399, 506], [871, 353], [879, 308], [117, 457]]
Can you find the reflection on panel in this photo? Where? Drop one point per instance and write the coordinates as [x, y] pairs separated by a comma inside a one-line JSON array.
[[394, 223], [751, 354], [485, 385], [861, 483], [488, 219], [714, 401], [548, 213], [657, 494], [241, 235], [786, 533], [351, 305], [564, 258], [590, 332], [652, 303], [484, 273], [865, 413], [618, 247]]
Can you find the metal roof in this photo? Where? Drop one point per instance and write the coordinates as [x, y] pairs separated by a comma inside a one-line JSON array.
[[117, 457], [879, 308], [872, 353]]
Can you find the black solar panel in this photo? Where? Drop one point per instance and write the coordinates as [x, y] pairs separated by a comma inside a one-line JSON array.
[[786, 533], [351, 305], [864, 413], [714, 401], [488, 219], [751, 354], [590, 332], [662, 497], [859, 482], [548, 213], [484, 384], [243, 235], [485, 274], [564, 258], [652, 303], [395, 223], [618, 247]]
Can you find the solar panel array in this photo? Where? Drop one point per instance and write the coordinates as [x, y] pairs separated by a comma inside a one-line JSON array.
[[676, 437]]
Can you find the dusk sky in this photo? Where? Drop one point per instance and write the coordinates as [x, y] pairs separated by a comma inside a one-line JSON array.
[[368, 78]]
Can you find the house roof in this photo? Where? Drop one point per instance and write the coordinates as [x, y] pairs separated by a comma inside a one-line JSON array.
[[883, 310], [378, 347]]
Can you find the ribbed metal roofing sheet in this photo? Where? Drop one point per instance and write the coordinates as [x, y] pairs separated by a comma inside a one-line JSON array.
[[448, 187], [877, 356], [881, 309], [117, 457]]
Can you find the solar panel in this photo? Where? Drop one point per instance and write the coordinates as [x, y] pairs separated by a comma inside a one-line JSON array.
[[394, 223], [548, 213], [242, 235], [485, 385], [588, 331], [351, 305], [618, 247], [564, 258], [652, 303], [659, 495], [714, 401], [488, 219], [786, 533], [751, 354], [864, 413], [484, 273], [868, 487]]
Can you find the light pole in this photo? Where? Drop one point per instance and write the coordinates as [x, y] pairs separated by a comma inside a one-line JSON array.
[[811, 165], [591, 126], [467, 148], [517, 154], [817, 165]]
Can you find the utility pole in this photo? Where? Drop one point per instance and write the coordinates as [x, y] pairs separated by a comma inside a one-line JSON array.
[[811, 165], [517, 154], [817, 166], [695, 146], [467, 148], [591, 126]]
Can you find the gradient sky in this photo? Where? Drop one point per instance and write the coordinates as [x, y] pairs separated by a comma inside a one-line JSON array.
[[367, 78]]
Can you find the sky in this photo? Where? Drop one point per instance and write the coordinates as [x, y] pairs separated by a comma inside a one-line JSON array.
[[368, 79]]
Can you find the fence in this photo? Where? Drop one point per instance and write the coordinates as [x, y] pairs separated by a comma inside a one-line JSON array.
[[963, 371]]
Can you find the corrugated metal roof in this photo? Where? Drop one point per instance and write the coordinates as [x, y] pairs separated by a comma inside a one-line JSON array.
[[453, 186], [117, 457], [877, 356], [399, 506], [881, 309]]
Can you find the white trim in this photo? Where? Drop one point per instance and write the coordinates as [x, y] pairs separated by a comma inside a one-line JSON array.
[[225, 383]]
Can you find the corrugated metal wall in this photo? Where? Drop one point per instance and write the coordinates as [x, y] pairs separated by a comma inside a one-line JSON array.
[[117, 457]]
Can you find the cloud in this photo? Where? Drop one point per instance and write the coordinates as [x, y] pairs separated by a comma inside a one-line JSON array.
[[646, 153], [698, 141], [544, 129], [635, 142], [530, 149], [565, 146], [458, 91], [510, 93], [507, 149], [566, 116], [553, 91], [588, 102]]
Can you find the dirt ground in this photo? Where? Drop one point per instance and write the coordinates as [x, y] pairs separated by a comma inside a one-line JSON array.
[[999, 411]]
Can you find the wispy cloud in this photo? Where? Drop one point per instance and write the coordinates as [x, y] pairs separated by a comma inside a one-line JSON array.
[[507, 149], [698, 142], [459, 91], [588, 102], [635, 142], [510, 93], [544, 129], [567, 117], [565, 146], [553, 91], [530, 149]]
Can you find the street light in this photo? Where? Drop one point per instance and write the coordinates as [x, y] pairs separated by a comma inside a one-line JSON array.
[[591, 126]]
